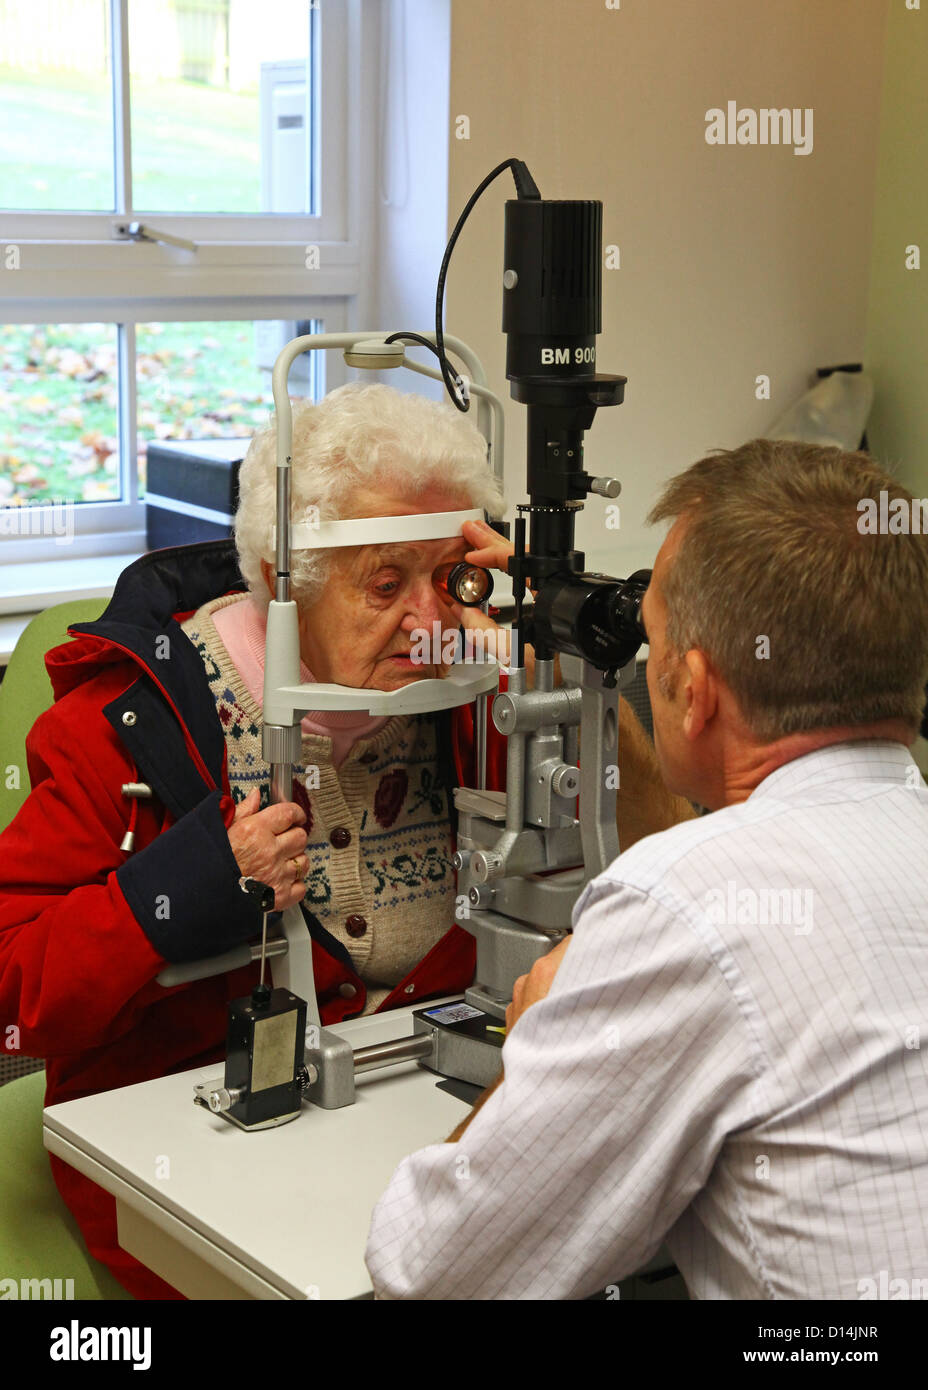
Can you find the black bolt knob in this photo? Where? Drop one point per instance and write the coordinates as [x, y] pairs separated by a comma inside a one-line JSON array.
[[261, 996]]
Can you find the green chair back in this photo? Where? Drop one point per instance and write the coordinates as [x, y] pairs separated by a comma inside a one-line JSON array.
[[26, 691], [39, 1238]]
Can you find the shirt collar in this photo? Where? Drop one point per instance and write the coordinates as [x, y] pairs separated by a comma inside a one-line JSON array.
[[860, 760]]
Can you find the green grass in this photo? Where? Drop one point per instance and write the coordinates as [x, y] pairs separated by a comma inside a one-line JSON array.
[[195, 148], [58, 422]]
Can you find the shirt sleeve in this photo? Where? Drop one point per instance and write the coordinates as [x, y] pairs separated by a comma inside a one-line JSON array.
[[620, 1087]]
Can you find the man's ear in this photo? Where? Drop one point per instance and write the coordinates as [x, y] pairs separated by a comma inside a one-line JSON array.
[[267, 572], [700, 693]]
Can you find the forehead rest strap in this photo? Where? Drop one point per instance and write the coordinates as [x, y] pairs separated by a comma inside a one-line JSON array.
[[379, 530]]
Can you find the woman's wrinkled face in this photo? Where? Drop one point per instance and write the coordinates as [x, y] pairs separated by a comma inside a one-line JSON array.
[[359, 631]]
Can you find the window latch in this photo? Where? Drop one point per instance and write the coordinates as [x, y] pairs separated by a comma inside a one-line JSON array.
[[139, 231]]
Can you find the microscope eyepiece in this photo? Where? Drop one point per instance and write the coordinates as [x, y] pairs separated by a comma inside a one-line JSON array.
[[591, 616], [626, 605]]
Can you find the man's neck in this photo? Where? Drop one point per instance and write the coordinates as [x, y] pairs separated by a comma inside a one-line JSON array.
[[746, 766]]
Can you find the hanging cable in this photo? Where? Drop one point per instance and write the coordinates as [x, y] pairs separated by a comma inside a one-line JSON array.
[[526, 188]]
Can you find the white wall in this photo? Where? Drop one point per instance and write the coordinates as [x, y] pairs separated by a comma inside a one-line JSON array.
[[897, 325], [735, 261], [897, 343]]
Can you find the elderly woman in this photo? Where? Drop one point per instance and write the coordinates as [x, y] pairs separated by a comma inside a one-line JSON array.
[[374, 841], [100, 889]]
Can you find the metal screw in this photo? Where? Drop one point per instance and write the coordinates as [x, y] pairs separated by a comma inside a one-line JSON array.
[[481, 896]]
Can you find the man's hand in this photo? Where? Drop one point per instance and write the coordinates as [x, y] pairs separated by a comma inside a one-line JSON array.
[[528, 989], [499, 646], [490, 550], [268, 845]]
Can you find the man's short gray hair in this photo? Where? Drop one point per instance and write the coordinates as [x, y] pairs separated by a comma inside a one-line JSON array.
[[772, 548], [356, 435]]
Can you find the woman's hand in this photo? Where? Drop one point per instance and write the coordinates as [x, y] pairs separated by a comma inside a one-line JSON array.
[[268, 845]]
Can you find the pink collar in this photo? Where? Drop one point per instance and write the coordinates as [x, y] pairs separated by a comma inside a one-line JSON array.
[[241, 627]]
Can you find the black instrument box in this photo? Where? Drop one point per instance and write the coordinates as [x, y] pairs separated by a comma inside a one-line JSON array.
[[192, 490]]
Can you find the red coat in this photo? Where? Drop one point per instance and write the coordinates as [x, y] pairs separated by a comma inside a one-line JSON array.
[[83, 927]]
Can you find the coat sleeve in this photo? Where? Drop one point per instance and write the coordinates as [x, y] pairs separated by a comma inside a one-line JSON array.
[[84, 930]]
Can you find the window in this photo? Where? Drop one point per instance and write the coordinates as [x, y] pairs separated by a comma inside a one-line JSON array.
[[174, 201]]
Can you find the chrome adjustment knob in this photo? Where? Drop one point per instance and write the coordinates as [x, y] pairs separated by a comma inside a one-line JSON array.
[[307, 1076], [565, 780], [605, 487], [485, 865], [222, 1099]]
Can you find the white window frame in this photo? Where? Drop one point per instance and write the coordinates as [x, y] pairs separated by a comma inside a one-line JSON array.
[[75, 268]]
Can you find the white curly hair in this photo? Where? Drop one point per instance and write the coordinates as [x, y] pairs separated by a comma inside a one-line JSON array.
[[357, 435]]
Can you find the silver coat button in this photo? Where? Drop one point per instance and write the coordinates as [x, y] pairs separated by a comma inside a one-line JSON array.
[[410, 989], [347, 991], [130, 717]]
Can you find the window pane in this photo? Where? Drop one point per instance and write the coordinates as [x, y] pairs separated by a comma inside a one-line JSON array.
[[58, 413], [56, 123], [213, 380], [220, 103]]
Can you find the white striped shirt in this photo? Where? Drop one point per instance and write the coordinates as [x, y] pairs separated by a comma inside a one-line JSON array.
[[728, 1060]]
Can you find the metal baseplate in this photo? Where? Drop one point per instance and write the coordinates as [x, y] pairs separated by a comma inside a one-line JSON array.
[[467, 1042], [204, 1089]]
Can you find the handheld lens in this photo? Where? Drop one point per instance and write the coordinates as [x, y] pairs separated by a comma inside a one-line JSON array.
[[464, 584]]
